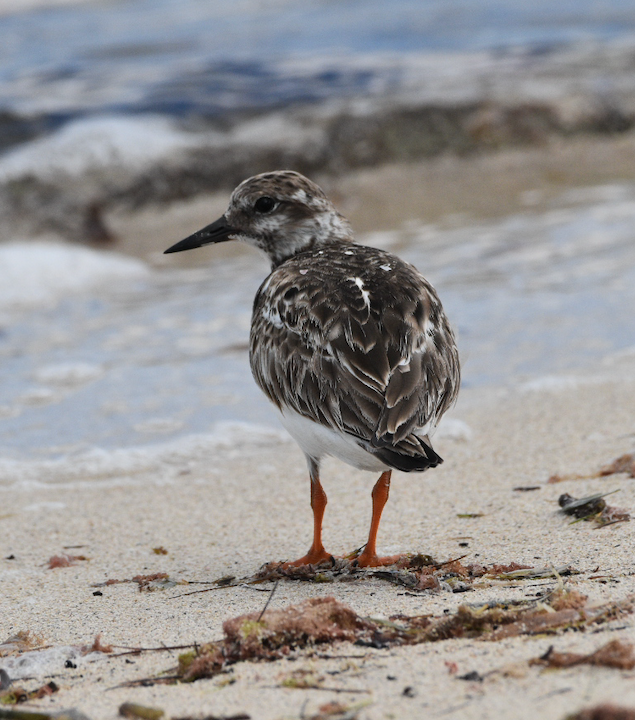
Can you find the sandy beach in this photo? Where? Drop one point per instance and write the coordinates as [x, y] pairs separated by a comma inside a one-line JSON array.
[[228, 512], [148, 495]]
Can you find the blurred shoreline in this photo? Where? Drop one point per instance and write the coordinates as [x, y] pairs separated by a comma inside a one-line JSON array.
[[447, 191], [442, 109]]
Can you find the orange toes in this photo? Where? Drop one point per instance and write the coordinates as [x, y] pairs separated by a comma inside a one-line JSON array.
[[313, 557], [373, 560]]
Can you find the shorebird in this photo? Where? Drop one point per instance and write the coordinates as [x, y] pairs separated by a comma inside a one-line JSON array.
[[350, 343]]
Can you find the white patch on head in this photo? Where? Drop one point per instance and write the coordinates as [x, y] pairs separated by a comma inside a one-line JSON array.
[[300, 196], [303, 272], [385, 267], [348, 252]]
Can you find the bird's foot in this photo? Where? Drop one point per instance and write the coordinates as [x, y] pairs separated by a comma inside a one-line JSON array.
[[373, 560], [313, 557]]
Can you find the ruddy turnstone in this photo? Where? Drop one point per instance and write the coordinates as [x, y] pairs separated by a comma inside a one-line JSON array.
[[350, 343]]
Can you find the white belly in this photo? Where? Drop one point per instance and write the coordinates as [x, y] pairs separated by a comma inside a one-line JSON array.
[[317, 441]]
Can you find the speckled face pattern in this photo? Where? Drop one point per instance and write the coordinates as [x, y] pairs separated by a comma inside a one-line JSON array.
[[300, 216]]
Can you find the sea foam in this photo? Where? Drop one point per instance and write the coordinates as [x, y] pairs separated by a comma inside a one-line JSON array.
[[98, 143], [37, 273], [163, 461]]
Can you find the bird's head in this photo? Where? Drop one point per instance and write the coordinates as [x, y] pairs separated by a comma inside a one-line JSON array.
[[282, 213]]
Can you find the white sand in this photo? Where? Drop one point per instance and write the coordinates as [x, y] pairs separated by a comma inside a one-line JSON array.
[[231, 514]]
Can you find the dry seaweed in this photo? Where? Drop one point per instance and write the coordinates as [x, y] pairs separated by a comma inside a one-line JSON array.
[[567, 599], [615, 654], [623, 464], [127, 650], [65, 560], [71, 714], [417, 572], [326, 620], [19, 695], [338, 711], [97, 646], [498, 570], [20, 642], [314, 621], [524, 572], [154, 581]]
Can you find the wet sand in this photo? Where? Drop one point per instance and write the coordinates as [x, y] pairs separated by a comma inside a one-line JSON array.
[[239, 508]]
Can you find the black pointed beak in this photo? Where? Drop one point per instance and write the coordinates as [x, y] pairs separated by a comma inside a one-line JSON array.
[[218, 231]]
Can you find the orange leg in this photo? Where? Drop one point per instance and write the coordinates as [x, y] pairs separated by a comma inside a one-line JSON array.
[[369, 557], [317, 554]]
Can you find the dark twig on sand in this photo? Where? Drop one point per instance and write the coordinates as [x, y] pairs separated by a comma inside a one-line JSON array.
[[273, 590]]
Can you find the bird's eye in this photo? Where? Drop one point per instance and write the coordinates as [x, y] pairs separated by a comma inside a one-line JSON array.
[[264, 204]]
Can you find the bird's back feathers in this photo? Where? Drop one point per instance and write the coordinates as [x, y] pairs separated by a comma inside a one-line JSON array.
[[355, 339]]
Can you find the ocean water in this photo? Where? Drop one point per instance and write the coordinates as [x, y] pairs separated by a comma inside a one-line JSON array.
[[110, 368], [65, 60], [113, 365]]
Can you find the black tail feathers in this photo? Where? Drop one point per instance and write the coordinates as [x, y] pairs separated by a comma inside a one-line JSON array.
[[414, 456]]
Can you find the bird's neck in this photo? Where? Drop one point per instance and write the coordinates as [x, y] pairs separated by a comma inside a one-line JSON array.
[[323, 229]]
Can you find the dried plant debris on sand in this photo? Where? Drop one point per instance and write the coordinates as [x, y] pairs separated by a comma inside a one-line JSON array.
[[154, 581], [337, 711], [64, 560], [593, 507], [20, 642], [97, 646], [15, 695], [72, 714], [614, 654], [622, 464], [277, 633], [417, 573]]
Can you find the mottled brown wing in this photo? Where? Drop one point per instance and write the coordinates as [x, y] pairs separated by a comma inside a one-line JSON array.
[[356, 340]]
